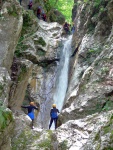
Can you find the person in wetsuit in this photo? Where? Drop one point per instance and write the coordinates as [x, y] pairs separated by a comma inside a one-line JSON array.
[[31, 108], [54, 116]]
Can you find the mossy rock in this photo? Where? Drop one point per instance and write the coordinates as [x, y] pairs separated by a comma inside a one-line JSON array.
[[46, 143], [40, 41], [40, 52], [5, 118], [63, 145], [12, 11], [23, 71], [29, 21], [1, 89]]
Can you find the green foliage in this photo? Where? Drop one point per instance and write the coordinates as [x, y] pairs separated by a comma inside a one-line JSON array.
[[97, 137], [86, 1], [27, 23], [108, 105], [24, 139], [45, 144], [5, 118], [64, 6], [21, 142], [12, 11], [1, 89], [27, 31], [20, 47], [97, 3]]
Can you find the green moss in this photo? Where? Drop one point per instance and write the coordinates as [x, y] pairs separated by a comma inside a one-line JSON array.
[[45, 144], [21, 142], [92, 54], [40, 41], [20, 47], [98, 146], [24, 139], [108, 105], [28, 21], [105, 70], [108, 148], [97, 137], [63, 145], [108, 127], [12, 11], [49, 132], [5, 118], [1, 89], [23, 71], [40, 52]]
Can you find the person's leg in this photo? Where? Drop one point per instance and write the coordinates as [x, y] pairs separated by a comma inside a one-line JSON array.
[[38, 15], [32, 124], [55, 122], [51, 121]]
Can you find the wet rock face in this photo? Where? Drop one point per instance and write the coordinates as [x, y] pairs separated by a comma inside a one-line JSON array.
[[41, 47], [91, 81]]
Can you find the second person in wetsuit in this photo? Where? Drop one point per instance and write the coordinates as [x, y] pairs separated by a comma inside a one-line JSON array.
[[54, 116], [31, 108]]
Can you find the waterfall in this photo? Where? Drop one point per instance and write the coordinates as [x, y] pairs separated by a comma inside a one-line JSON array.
[[62, 79]]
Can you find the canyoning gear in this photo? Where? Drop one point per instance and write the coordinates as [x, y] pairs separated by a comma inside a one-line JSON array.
[[54, 116], [53, 113], [30, 109], [31, 115], [54, 105], [39, 12], [55, 122], [73, 29], [66, 27], [43, 16]]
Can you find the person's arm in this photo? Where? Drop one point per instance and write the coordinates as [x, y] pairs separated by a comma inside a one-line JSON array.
[[24, 106], [35, 107]]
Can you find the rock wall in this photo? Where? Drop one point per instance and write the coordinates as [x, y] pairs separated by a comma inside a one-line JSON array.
[[10, 28], [31, 48], [90, 90]]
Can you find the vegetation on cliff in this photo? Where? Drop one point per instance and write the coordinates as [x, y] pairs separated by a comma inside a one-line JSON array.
[[64, 6]]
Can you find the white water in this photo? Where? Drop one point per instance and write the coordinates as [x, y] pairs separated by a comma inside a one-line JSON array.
[[62, 81]]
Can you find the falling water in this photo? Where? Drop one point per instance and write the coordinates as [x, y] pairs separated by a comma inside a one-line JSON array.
[[62, 81]]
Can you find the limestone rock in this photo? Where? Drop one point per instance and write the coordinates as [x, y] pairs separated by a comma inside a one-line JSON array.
[[10, 28]]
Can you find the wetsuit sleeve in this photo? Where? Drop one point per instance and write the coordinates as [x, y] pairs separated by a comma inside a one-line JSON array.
[[24, 106], [36, 108]]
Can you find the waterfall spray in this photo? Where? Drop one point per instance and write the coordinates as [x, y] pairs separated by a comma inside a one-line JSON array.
[[62, 81]]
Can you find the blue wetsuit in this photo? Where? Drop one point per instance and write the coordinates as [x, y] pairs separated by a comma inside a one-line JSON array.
[[30, 111], [54, 117]]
